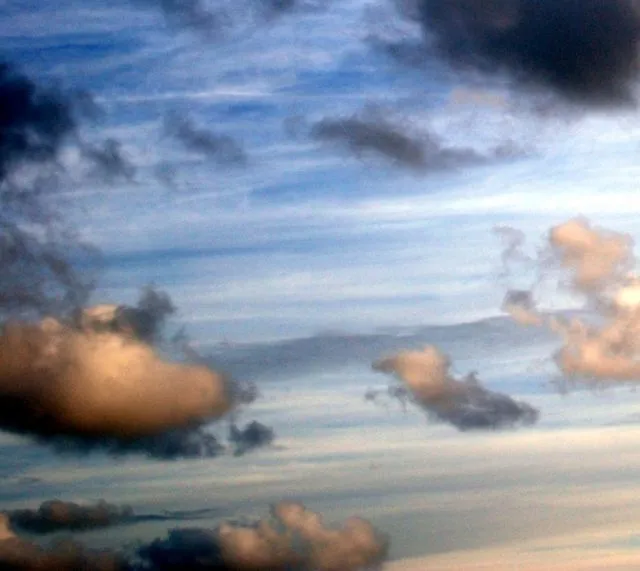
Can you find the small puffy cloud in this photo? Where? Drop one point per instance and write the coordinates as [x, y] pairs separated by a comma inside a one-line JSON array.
[[464, 403]]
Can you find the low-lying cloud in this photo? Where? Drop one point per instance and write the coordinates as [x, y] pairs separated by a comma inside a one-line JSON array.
[[463, 403]]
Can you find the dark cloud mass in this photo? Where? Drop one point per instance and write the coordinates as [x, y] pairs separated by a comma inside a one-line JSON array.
[[221, 148], [55, 515], [464, 403], [36, 246], [370, 133], [585, 50]]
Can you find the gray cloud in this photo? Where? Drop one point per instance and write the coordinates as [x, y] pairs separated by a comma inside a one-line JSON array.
[[254, 435], [584, 50], [109, 162], [371, 133], [144, 322], [221, 148], [55, 515], [464, 403], [36, 245]]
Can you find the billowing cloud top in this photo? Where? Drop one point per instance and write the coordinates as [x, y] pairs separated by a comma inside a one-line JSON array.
[[464, 403]]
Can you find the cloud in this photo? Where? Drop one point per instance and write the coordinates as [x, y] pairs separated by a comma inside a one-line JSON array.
[[520, 306], [294, 538], [586, 51], [55, 515], [214, 20], [17, 554], [464, 403], [254, 435], [596, 264], [109, 162], [371, 133], [221, 148], [144, 322], [58, 383], [36, 246]]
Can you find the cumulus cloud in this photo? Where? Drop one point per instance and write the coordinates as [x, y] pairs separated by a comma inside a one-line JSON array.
[[371, 133], [586, 51], [221, 148], [293, 539], [464, 403], [55, 515], [596, 264], [57, 382]]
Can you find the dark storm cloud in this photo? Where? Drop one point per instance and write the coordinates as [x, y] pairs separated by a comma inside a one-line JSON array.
[[293, 539], [464, 403], [584, 50], [221, 148], [55, 515], [371, 133]]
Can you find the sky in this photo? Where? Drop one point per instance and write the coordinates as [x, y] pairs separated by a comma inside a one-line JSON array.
[[399, 237]]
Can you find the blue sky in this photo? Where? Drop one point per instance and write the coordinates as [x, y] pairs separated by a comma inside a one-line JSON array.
[[307, 241]]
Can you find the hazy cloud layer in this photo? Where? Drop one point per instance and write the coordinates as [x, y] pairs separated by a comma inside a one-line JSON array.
[[584, 50], [371, 133], [464, 403], [293, 539]]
